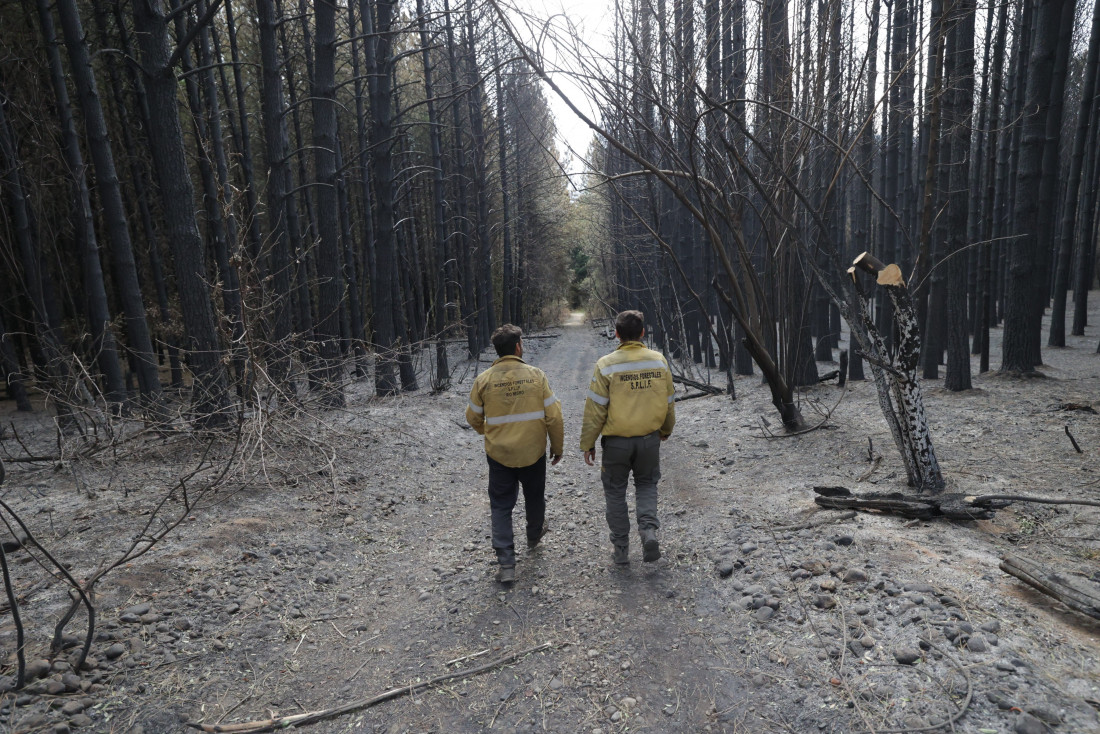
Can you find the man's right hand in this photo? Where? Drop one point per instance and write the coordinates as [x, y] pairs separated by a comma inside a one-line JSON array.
[[590, 457]]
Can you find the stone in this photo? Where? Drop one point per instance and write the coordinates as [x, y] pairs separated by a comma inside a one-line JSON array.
[[844, 540], [991, 626], [72, 708], [816, 568], [1005, 666], [855, 576], [907, 655], [749, 547], [828, 585], [725, 568], [977, 644], [824, 601], [37, 669], [62, 728], [138, 609], [182, 624], [556, 683], [30, 722], [1027, 724], [867, 641], [763, 614], [71, 681], [54, 687], [1000, 700], [81, 720], [1044, 714]]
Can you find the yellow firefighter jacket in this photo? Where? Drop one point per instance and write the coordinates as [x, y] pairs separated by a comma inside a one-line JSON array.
[[631, 394], [512, 405]]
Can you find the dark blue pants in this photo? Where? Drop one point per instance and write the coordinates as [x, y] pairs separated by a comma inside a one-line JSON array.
[[504, 484]]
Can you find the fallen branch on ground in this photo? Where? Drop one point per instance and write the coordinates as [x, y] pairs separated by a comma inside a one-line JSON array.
[[987, 498], [874, 465], [1073, 441], [807, 525], [690, 396], [713, 389], [1053, 584], [310, 717]]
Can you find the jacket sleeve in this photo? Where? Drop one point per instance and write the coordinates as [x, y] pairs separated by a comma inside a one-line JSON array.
[[595, 409], [555, 425], [670, 416], [475, 410]]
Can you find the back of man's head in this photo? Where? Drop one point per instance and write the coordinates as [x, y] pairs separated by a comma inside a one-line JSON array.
[[629, 325], [505, 339]]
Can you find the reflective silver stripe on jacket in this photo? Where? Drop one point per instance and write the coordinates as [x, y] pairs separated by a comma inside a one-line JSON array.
[[476, 408], [535, 415], [550, 401], [649, 364], [671, 398], [598, 399]]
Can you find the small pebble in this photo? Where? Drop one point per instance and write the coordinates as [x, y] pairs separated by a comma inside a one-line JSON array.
[[906, 655]]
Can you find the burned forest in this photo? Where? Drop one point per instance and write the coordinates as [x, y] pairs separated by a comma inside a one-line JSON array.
[[253, 254]]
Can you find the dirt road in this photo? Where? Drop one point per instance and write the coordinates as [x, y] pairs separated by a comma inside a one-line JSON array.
[[369, 567]]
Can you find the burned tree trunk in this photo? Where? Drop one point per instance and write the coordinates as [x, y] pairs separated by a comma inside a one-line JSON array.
[[899, 365]]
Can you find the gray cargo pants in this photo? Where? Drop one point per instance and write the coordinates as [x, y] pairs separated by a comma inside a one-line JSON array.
[[621, 456]]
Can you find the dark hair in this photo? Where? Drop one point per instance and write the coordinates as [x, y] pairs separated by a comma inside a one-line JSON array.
[[630, 324], [506, 338]]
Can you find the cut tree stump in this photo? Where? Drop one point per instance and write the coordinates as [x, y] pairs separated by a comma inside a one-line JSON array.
[[1074, 595], [951, 506]]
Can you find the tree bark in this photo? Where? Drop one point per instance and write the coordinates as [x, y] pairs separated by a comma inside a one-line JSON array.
[[327, 328], [210, 394], [114, 212], [282, 212], [1023, 308], [958, 121], [1069, 226], [104, 344]]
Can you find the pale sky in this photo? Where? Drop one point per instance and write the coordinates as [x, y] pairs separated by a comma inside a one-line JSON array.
[[545, 26]]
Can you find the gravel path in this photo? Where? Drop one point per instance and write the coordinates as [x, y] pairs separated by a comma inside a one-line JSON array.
[[371, 568]]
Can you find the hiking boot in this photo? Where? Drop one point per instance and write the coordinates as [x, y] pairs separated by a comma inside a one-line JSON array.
[[532, 542], [621, 555], [507, 574], [651, 549]]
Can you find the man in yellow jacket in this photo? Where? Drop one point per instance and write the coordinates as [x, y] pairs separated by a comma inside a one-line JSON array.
[[512, 405], [631, 402]]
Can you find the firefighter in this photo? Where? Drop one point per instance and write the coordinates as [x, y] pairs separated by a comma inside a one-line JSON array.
[[512, 405], [630, 402]]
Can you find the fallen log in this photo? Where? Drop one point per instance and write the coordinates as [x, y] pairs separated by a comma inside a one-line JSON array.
[[952, 506], [712, 389], [1054, 584]]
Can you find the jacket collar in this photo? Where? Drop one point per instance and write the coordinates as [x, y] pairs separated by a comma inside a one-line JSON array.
[[631, 345], [507, 357]]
